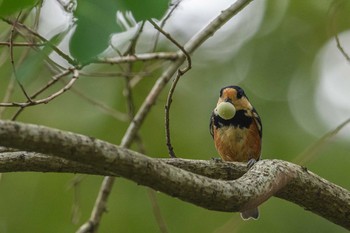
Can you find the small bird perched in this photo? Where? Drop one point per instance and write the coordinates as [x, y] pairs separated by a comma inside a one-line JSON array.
[[237, 131]]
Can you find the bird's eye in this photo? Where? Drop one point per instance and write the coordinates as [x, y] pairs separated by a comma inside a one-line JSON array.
[[240, 93]]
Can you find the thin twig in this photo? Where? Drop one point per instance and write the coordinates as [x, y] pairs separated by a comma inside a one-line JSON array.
[[341, 49], [180, 72], [22, 44], [100, 206], [147, 71], [138, 57], [156, 211], [6, 34], [169, 37], [108, 110], [112, 74], [49, 98], [163, 22], [131, 50], [38, 9], [13, 60], [9, 92], [128, 94], [74, 184], [167, 112], [11, 85], [49, 43], [311, 151], [167, 116], [53, 80], [335, 6]]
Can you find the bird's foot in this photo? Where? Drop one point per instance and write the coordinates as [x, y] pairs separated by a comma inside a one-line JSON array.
[[216, 160], [251, 162]]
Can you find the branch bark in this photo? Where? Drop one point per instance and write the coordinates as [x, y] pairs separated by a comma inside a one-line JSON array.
[[212, 185]]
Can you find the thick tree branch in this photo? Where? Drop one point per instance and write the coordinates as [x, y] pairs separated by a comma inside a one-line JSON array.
[[232, 192], [24, 161]]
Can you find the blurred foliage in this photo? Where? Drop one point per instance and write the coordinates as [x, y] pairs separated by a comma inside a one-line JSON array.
[[281, 53], [8, 7], [96, 21], [153, 8]]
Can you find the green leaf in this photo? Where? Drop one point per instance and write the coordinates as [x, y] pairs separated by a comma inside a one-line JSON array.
[[96, 20], [8, 7], [143, 10]]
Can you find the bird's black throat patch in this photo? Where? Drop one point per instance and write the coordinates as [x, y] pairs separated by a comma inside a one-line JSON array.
[[240, 120]]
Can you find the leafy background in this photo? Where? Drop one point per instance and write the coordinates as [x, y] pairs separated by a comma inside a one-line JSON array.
[[277, 68]]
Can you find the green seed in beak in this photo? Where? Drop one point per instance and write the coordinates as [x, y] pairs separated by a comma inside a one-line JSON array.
[[225, 110]]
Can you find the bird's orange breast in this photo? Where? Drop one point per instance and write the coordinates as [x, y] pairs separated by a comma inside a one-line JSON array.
[[238, 144]]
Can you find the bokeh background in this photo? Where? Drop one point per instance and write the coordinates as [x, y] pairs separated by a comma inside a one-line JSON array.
[[283, 53]]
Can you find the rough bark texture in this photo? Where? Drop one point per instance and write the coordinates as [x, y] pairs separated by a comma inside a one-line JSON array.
[[212, 185]]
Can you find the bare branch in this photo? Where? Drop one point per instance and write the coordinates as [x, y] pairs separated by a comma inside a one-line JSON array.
[[131, 50], [156, 211], [163, 22], [9, 92], [311, 150], [11, 85], [21, 44], [43, 39], [51, 97], [334, 11], [53, 80], [167, 115], [341, 49], [13, 59], [120, 116], [139, 57], [266, 178], [169, 37], [180, 72]]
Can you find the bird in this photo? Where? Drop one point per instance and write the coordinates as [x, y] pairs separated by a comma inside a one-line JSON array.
[[236, 128]]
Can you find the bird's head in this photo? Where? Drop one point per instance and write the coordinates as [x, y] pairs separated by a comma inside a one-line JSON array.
[[236, 96]]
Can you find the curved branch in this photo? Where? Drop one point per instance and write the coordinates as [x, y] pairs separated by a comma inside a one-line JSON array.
[[24, 161], [266, 178]]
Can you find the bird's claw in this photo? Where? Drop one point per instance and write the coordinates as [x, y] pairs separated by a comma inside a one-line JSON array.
[[216, 160], [250, 163]]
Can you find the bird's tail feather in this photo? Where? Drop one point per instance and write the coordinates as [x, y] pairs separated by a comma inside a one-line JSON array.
[[250, 214]]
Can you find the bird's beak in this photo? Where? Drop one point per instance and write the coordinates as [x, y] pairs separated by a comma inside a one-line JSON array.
[[228, 100]]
